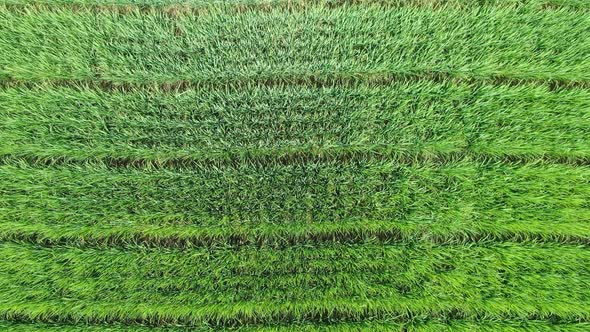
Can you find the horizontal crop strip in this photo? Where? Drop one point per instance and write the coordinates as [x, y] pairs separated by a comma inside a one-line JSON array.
[[320, 41], [281, 204], [328, 283], [385, 326], [406, 116]]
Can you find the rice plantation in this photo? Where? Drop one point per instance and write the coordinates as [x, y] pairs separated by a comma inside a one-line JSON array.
[[295, 165]]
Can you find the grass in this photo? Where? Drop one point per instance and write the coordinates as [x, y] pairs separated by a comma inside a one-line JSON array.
[[404, 117], [220, 44], [504, 326], [322, 283], [352, 201], [332, 165]]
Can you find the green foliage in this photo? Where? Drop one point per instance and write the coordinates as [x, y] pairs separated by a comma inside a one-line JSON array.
[[280, 204], [402, 117], [379, 325], [249, 285], [293, 165], [225, 42]]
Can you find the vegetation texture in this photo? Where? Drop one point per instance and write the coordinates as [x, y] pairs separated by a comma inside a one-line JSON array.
[[295, 165]]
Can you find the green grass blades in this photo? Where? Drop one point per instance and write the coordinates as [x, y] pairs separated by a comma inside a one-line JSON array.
[[251, 285], [375, 325], [311, 201], [224, 44], [401, 117], [294, 165], [127, 5]]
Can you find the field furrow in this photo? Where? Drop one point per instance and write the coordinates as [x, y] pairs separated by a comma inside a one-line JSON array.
[[374, 325], [187, 6], [417, 326]]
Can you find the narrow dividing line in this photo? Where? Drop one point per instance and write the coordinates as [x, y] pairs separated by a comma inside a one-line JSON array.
[[179, 8], [273, 157], [369, 325], [351, 313], [313, 80], [284, 239]]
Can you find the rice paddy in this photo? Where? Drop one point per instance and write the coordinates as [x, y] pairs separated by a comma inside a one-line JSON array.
[[293, 165]]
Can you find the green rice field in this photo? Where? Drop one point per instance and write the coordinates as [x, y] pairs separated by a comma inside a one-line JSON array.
[[294, 165]]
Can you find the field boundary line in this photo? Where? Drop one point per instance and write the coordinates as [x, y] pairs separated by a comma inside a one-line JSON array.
[[199, 8], [314, 80], [288, 157], [391, 236], [308, 312]]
